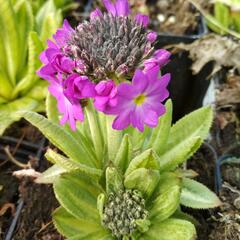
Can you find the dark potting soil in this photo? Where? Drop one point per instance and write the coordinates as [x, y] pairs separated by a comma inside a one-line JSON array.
[[35, 222], [39, 201], [203, 162], [18, 133], [8, 195], [226, 221], [177, 17], [22, 130], [222, 223]]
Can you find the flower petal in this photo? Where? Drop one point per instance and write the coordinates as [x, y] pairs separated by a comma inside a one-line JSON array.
[[137, 118], [142, 19], [96, 14], [110, 7], [160, 87], [126, 90], [139, 81], [151, 118], [122, 121], [151, 37], [122, 8], [152, 74], [153, 104]]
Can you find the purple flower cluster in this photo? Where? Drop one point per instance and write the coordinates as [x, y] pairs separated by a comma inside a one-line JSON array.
[[137, 102]]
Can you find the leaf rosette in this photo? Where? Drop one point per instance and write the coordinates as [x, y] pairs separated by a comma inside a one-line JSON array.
[[125, 184]]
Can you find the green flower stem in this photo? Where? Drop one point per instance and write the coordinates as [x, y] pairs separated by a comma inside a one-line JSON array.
[[114, 138], [95, 130]]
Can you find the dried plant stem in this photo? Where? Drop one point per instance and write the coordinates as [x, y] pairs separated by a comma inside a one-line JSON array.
[[12, 159]]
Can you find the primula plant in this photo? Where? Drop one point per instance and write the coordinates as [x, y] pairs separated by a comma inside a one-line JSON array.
[[125, 184], [25, 27], [117, 176]]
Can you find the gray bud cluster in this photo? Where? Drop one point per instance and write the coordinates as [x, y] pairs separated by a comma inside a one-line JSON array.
[[109, 46], [122, 210]]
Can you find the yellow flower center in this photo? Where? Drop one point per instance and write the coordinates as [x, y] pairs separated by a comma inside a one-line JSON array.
[[139, 100]]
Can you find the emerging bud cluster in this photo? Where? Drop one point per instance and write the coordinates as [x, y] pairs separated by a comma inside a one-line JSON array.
[[122, 211]]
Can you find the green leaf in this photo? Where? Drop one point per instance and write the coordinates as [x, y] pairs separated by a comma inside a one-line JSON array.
[[142, 179], [8, 111], [2, 100], [165, 204], [70, 165], [81, 135], [196, 195], [95, 129], [25, 24], [51, 108], [160, 134], [34, 49], [213, 23], [185, 216], [147, 159], [236, 22], [113, 139], [100, 205], [39, 91], [94, 236], [124, 154], [51, 174], [171, 229], [185, 138], [3, 61], [6, 86], [167, 181], [69, 226], [78, 193], [138, 138], [114, 181], [222, 14], [9, 27], [50, 23], [45, 9], [60, 138], [143, 225]]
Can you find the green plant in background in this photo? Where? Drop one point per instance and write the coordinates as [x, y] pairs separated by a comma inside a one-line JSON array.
[[64, 5], [124, 184], [25, 27], [225, 18], [227, 13]]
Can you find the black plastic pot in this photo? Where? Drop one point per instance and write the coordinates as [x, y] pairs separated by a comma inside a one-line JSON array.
[[22, 153], [186, 90], [229, 159]]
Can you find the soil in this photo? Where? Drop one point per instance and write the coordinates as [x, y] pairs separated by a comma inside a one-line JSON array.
[[169, 16], [8, 195], [35, 218], [174, 16], [79, 14], [23, 131], [203, 162], [15, 137], [222, 223], [35, 222], [226, 222]]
